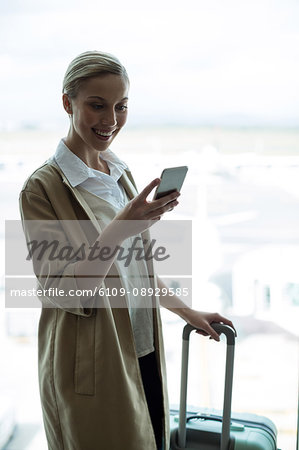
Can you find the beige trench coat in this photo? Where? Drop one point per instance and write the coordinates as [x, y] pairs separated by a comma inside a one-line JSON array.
[[90, 384]]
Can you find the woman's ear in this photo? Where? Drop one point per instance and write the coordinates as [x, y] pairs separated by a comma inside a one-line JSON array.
[[67, 104]]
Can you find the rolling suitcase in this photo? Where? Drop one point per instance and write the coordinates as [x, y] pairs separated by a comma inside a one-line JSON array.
[[210, 431]]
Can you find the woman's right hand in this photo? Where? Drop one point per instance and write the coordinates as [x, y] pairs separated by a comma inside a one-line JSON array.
[[140, 214], [137, 216]]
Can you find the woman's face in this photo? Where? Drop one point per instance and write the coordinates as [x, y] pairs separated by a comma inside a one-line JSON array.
[[98, 112]]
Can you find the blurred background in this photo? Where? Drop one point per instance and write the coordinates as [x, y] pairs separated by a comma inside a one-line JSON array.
[[214, 85]]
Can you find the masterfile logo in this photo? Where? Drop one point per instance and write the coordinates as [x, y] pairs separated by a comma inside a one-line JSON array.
[[41, 259]]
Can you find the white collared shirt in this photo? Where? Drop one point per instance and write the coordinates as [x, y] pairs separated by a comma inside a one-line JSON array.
[[99, 183]]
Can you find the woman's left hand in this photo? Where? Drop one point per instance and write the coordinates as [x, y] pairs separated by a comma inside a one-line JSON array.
[[200, 320], [203, 320]]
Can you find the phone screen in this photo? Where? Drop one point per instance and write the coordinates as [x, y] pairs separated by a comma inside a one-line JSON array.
[[171, 180]]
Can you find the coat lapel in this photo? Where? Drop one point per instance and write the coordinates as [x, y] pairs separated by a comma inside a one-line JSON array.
[[128, 184], [80, 199]]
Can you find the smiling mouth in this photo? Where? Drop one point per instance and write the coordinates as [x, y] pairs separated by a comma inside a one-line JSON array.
[[103, 134]]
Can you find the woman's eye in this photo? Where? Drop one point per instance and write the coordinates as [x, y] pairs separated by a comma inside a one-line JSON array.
[[122, 107], [96, 106]]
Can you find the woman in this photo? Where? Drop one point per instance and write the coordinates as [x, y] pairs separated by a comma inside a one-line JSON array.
[[101, 368]]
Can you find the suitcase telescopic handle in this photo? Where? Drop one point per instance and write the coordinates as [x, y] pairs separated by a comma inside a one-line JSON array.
[[228, 384]]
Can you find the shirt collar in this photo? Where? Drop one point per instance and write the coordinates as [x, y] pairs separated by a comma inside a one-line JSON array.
[[76, 171]]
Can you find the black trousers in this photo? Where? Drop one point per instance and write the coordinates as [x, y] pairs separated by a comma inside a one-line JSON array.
[[153, 392]]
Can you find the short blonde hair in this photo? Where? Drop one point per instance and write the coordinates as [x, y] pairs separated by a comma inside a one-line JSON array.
[[87, 65]]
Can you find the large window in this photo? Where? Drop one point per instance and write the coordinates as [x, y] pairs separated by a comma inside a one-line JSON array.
[[214, 85]]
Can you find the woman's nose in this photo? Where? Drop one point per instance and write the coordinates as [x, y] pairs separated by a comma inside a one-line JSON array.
[[109, 118]]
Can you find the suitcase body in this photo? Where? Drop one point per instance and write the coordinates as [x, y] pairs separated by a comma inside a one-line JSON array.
[[208, 429], [247, 431]]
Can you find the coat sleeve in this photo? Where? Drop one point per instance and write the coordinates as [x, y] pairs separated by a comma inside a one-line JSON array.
[[54, 252]]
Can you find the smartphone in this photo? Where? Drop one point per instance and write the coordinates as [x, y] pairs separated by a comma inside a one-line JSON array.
[[171, 180]]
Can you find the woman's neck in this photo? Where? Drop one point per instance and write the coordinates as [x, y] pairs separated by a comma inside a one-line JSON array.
[[89, 156]]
